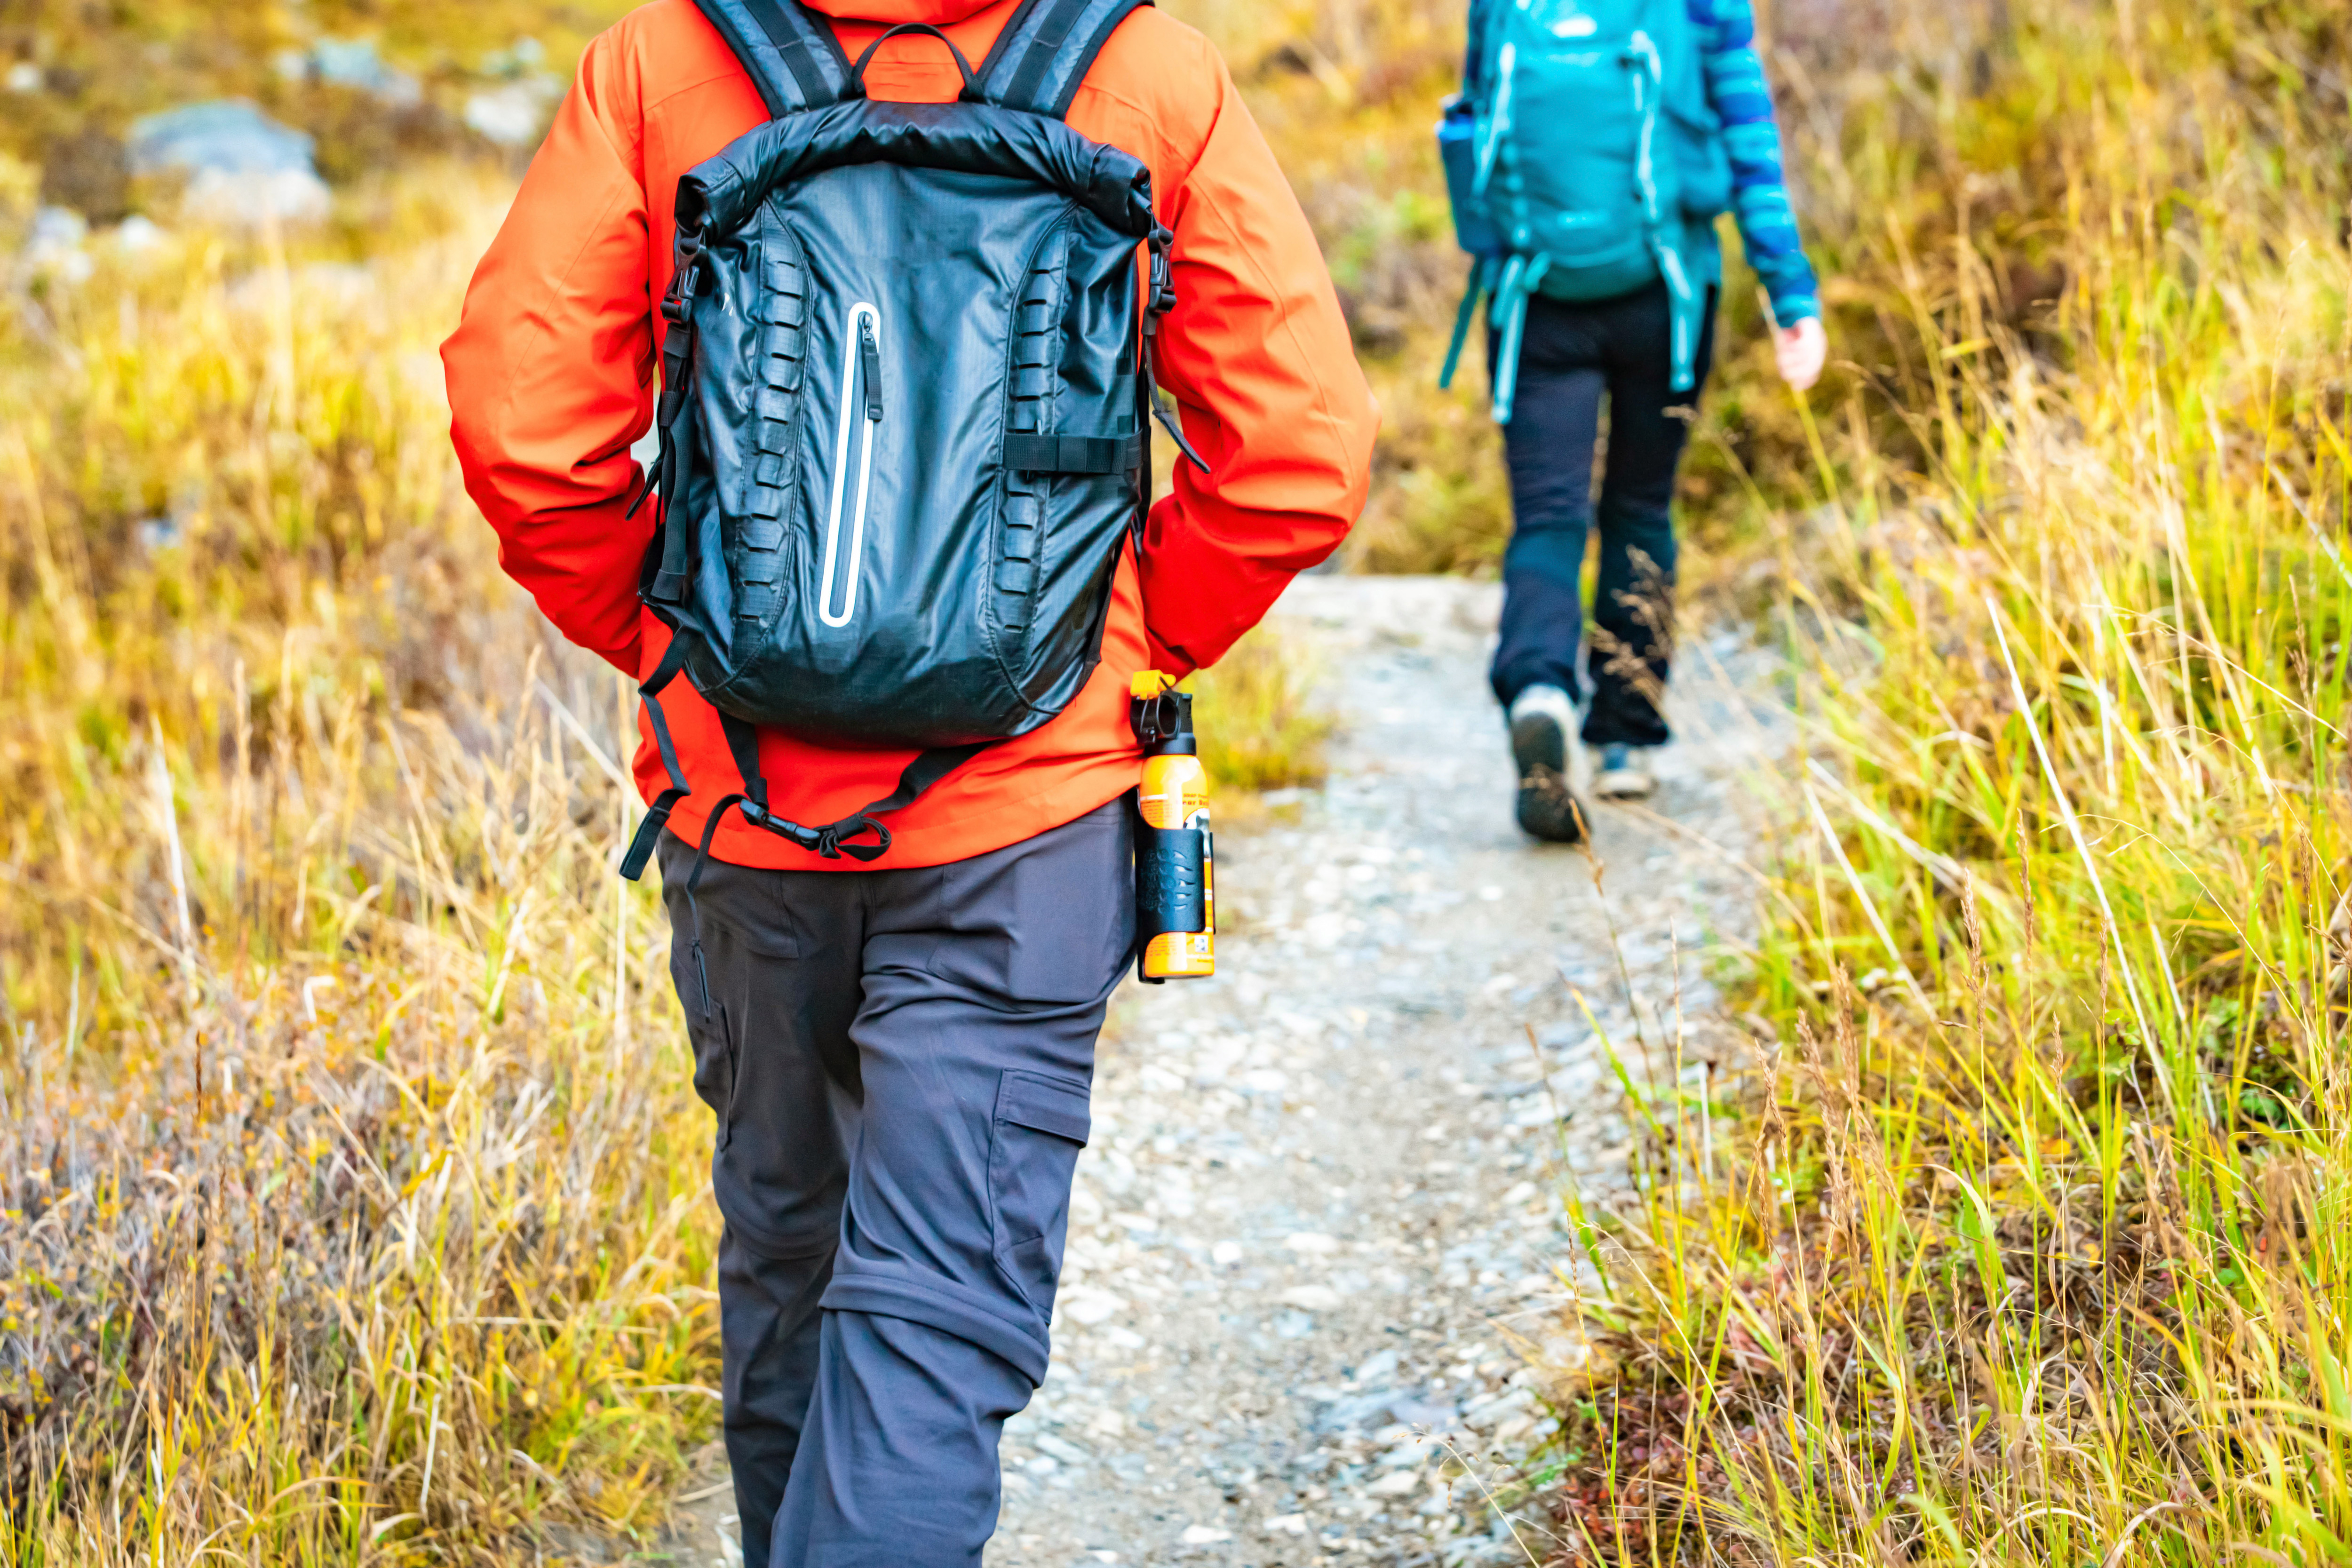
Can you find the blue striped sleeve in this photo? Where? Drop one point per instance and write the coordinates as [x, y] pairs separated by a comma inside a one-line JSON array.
[[1752, 138]]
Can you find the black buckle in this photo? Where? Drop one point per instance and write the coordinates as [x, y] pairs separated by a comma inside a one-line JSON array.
[[830, 845], [1163, 280], [686, 281], [810, 839]]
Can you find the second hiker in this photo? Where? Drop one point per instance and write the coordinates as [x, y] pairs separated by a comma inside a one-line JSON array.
[[1593, 147]]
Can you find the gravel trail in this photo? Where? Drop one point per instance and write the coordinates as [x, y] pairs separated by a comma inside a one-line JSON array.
[[1319, 1219]]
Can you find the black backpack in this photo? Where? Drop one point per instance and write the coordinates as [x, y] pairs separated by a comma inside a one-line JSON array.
[[902, 416]]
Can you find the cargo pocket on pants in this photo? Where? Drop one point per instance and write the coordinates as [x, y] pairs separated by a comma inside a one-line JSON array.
[[712, 1035], [1040, 1125]]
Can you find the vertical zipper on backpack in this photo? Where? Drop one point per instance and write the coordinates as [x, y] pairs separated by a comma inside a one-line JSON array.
[[870, 353], [861, 362]]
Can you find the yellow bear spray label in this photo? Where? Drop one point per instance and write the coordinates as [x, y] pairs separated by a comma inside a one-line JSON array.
[[1175, 905]]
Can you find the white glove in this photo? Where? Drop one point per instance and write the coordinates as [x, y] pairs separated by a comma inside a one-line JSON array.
[[1802, 350]]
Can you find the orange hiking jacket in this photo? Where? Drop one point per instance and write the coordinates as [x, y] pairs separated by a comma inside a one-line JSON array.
[[552, 377]]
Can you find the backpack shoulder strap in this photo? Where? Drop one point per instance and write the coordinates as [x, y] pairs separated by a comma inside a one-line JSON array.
[[792, 56], [1046, 51], [1475, 50]]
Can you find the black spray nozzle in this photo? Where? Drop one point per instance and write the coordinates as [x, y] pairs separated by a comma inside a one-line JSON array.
[[1160, 715]]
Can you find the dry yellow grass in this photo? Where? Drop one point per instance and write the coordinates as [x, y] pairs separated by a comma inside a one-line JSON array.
[[351, 1180]]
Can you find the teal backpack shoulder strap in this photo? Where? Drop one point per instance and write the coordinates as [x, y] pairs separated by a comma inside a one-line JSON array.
[[792, 56], [1046, 49], [1677, 36], [1477, 53]]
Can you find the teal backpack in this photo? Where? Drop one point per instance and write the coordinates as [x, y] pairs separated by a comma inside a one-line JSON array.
[[1584, 163]]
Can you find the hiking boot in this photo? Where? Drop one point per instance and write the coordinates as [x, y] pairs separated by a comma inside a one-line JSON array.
[[1542, 718], [1624, 774]]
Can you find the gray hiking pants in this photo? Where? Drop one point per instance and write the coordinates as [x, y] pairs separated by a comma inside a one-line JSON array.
[[899, 1062]]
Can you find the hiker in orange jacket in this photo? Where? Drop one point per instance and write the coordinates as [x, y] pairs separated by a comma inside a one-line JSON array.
[[899, 1057]]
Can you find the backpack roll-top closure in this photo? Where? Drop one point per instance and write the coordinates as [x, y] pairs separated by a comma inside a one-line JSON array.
[[961, 138]]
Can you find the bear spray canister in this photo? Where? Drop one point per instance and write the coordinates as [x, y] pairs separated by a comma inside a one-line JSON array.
[[1175, 898]]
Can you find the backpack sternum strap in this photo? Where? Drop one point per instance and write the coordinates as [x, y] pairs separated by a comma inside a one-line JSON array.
[[1046, 50], [792, 58]]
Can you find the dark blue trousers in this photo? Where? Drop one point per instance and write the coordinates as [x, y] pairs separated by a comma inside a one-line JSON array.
[[1571, 357], [901, 1065]]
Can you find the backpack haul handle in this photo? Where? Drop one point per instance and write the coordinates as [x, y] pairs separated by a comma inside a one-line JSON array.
[[857, 88]]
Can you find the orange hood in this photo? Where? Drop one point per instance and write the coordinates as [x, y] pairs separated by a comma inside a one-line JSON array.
[[939, 13]]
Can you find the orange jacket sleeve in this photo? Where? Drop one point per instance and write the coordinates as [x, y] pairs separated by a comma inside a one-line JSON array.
[[1259, 361], [551, 369]]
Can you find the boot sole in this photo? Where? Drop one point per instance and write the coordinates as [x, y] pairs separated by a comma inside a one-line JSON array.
[[1547, 809]]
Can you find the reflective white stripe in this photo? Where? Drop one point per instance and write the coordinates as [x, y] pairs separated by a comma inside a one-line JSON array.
[[1645, 104], [1499, 124], [851, 412]]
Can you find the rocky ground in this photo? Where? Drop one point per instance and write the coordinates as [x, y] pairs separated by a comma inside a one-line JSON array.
[[1317, 1238]]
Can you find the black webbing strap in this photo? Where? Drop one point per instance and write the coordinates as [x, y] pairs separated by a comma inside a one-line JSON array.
[[668, 473], [1073, 454], [1156, 304], [743, 742], [830, 841], [672, 578], [927, 769], [792, 57], [1010, 39], [857, 88], [672, 661], [641, 848], [1046, 49]]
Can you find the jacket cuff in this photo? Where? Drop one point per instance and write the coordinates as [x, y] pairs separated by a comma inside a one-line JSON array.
[[1795, 294]]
